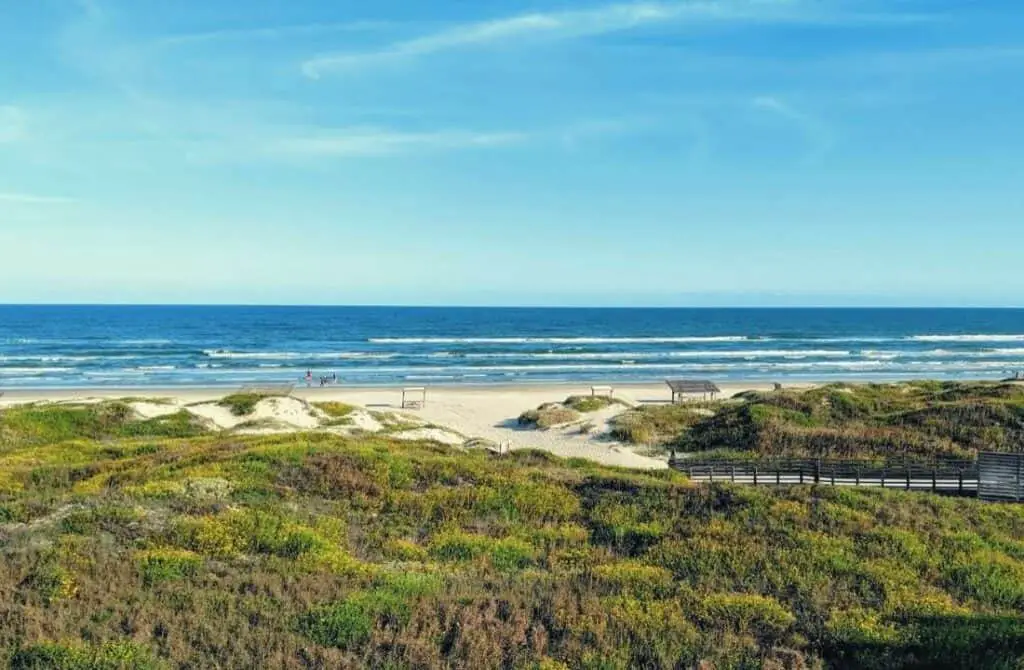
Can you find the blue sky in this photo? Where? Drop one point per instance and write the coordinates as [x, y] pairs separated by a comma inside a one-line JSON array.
[[703, 152]]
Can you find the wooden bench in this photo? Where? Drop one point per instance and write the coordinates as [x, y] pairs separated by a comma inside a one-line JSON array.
[[410, 401], [602, 391]]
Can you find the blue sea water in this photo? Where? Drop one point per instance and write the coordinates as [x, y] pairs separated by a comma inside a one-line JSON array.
[[84, 346]]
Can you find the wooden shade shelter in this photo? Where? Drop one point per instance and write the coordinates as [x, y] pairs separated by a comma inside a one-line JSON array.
[[692, 387]]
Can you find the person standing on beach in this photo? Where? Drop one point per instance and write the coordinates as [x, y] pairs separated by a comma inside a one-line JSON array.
[[309, 378]]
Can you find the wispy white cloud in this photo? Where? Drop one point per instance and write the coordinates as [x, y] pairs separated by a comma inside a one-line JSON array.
[[565, 24], [13, 124], [596, 21], [33, 199], [270, 33], [819, 136], [369, 141]]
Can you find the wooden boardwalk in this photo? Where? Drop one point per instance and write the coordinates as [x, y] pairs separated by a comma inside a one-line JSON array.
[[942, 476]]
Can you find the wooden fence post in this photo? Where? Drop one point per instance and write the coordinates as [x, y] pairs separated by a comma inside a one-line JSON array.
[[1020, 462], [960, 477], [817, 471], [755, 475], [857, 474]]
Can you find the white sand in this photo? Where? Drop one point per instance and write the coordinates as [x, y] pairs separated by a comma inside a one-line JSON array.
[[284, 412], [154, 410], [453, 414]]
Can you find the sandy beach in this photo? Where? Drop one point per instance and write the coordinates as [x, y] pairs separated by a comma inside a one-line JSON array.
[[452, 414]]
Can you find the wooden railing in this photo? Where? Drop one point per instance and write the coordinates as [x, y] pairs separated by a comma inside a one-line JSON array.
[[945, 476]]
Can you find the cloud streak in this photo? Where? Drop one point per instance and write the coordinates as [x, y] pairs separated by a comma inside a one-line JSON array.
[[590, 22], [568, 24], [370, 142], [819, 137]]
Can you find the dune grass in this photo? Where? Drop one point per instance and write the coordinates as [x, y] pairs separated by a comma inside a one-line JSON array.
[[585, 404], [242, 404], [40, 424], [320, 551], [335, 410], [654, 425], [552, 414], [338, 413], [548, 416], [922, 421]]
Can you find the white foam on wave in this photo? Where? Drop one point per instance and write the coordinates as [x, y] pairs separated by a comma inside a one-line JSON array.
[[634, 355], [50, 358], [294, 355], [966, 338], [558, 340], [33, 371]]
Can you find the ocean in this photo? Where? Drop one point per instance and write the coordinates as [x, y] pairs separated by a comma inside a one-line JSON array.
[[43, 347]]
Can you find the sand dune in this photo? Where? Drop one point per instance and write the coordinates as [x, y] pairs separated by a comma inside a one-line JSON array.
[[452, 415]]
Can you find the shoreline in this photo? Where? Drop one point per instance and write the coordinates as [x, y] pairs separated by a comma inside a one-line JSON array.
[[316, 393], [729, 387]]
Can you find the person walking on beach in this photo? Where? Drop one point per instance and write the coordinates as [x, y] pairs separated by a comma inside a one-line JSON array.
[[309, 378]]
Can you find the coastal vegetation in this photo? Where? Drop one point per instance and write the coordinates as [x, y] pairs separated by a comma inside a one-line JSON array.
[[335, 410], [655, 425], [243, 404], [585, 404], [922, 420], [553, 414], [126, 543], [549, 415]]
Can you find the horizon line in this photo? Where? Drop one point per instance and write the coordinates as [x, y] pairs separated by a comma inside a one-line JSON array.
[[516, 306]]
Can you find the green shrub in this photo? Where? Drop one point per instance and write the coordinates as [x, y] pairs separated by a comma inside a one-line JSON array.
[[549, 416], [511, 554], [50, 581], [349, 623], [111, 656], [164, 565], [656, 425], [748, 613], [585, 404], [44, 424], [242, 404], [345, 625], [458, 547], [635, 578]]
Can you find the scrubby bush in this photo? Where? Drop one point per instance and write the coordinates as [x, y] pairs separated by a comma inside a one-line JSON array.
[[915, 421], [111, 656], [163, 565], [585, 404], [242, 404], [655, 425], [548, 416]]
